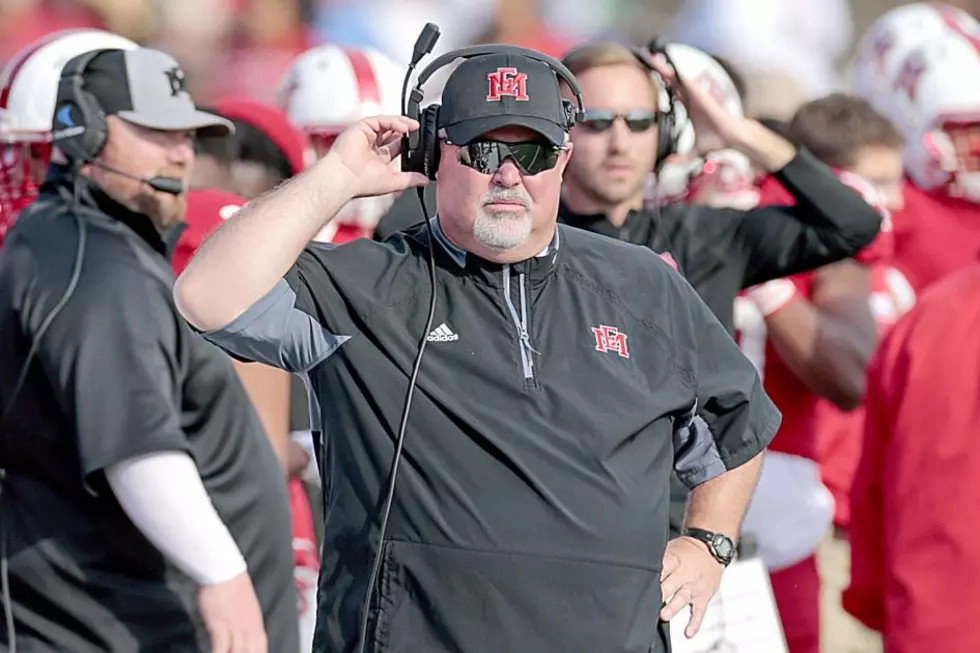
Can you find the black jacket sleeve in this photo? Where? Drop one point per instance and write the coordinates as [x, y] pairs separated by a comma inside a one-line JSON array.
[[111, 356], [829, 222]]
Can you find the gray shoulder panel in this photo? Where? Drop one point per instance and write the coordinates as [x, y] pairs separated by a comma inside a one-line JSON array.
[[696, 456], [273, 331]]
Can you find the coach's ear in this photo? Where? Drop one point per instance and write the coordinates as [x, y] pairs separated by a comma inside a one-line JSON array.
[[565, 155]]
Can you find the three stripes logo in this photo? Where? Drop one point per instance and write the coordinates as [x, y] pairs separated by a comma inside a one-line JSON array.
[[442, 333]]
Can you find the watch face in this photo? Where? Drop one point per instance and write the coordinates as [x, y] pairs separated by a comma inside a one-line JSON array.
[[724, 547]]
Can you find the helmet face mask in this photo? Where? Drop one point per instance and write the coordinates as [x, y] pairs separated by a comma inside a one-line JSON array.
[[28, 92]]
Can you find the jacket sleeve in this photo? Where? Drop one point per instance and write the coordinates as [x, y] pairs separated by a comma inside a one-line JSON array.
[[287, 328], [829, 222], [732, 419]]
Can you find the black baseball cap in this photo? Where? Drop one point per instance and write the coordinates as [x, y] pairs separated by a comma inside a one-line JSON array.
[[146, 87], [502, 90]]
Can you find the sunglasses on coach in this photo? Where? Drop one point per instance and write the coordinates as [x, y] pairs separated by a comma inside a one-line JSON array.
[[486, 156], [599, 120]]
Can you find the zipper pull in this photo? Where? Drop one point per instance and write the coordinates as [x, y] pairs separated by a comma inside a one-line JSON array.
[[526, 339]]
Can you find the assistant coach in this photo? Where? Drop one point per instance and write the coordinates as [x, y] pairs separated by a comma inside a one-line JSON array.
[[143, 508], [555, 397]]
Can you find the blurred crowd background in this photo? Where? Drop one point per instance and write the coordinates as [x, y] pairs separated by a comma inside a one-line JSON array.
[[789, 51]]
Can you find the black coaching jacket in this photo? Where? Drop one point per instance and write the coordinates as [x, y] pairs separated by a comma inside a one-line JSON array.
[[554, 399]]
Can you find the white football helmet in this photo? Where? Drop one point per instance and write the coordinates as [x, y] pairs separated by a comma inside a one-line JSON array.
[[883, 48], [932, 89], [328, 88], [721, 178], [28, 91]]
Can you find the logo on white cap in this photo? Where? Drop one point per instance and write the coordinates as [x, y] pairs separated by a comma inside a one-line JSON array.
[[178, 83]]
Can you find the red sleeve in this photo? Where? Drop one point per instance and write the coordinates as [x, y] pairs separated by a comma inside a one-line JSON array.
[[865, 597]]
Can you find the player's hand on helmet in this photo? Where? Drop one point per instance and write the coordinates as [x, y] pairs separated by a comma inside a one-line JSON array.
[[714, 127], [370, 150]]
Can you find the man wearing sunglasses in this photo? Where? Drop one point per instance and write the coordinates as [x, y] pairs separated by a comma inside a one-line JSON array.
[[719, 250], [565, 375]]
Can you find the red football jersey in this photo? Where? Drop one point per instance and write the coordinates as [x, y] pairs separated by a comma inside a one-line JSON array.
[[935, 235]]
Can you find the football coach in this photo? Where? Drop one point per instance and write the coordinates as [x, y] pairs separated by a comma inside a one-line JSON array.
[[565, 375]]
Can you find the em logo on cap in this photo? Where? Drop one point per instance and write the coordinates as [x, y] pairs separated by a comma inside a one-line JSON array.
[[502, 90]]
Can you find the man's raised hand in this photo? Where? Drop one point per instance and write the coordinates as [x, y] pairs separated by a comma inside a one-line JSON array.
[[370, 150]]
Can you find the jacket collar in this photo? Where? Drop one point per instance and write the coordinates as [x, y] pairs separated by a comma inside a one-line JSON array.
[[537, 268], [62, 182]]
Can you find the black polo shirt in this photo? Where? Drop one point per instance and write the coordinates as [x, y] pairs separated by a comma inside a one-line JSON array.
[[118, 374]]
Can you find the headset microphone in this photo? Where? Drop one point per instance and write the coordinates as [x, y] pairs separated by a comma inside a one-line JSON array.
[[168, 185], [425, 42]]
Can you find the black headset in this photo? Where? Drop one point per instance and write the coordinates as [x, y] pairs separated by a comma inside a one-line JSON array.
[[666, 118], [420, 149], [79, 120]]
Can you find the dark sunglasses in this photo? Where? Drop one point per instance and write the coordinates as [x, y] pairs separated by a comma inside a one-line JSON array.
[[486, 156], [599, 120]]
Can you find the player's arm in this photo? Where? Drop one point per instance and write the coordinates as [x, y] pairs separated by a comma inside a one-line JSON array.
[[828, 223], [827, 342]]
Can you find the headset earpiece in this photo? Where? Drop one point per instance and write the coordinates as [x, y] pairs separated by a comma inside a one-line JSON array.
[[666, 137], [667, 121], [571, 114], [430, 148], [79, 123]]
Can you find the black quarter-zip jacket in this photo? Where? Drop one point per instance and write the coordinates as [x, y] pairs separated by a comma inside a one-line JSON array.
[[721, 251], [555, 397]]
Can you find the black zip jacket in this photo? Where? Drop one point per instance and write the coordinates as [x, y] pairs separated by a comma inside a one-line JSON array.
[[720, 251], [555, 397]]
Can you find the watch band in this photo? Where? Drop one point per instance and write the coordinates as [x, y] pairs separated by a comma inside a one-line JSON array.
[[721, 546]]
